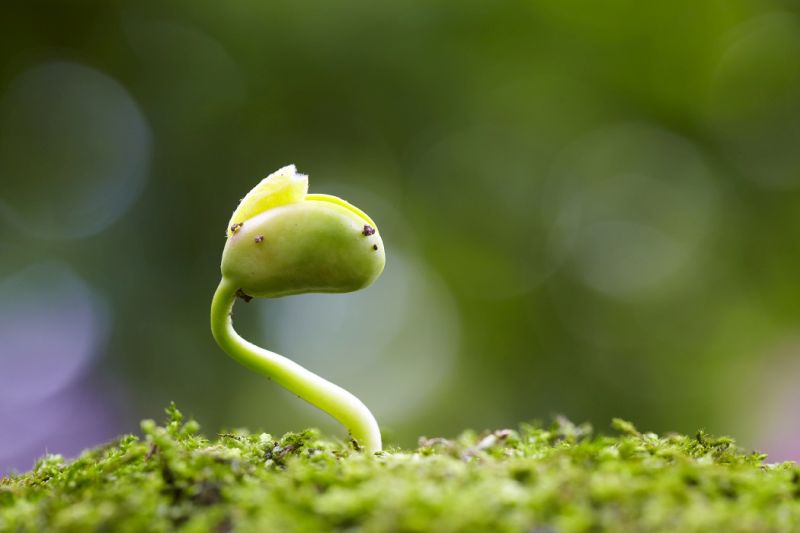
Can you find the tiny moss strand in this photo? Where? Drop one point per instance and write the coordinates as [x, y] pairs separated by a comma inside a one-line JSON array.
[[331, 398]]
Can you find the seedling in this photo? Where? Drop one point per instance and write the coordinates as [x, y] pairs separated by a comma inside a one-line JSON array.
[[283, 241]]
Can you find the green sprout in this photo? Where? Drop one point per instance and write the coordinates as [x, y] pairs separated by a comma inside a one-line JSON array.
[[283, 241]]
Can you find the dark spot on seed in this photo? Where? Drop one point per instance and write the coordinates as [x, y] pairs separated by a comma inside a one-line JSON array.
[[368, 230], [374, 246], [241, 294], [236, 227], [260, 238]]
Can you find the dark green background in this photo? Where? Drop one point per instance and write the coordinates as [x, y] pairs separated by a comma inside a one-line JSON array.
[[589, 208]]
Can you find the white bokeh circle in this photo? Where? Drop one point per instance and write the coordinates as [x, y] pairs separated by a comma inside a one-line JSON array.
[[629, 205], [394, 342], [75, 151]]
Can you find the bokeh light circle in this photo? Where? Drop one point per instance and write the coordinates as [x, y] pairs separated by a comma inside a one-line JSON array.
[[753, 108], [75, 150], [628, 206], [51, 325], [394, 342]]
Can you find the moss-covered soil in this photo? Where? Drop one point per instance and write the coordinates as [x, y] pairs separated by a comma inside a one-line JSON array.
[[533, 479]]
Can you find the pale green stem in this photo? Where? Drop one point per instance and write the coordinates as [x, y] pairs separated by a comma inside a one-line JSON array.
[[334, 400]]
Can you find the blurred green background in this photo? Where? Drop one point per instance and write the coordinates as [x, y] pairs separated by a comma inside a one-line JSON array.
[[589, 208]]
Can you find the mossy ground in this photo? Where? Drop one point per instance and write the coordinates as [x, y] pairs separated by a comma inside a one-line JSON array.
[[534, 479]]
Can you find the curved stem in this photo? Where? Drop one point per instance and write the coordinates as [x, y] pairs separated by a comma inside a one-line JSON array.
[[334, 400]]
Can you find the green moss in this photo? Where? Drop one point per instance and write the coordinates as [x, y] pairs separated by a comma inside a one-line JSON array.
[[561, 478]]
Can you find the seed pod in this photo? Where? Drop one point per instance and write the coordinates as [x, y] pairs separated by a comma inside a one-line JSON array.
[[289, 242]]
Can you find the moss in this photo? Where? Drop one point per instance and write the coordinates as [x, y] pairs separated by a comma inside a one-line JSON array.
[[560, 478]]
